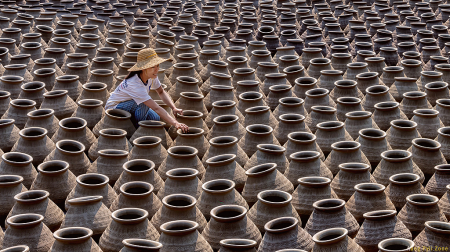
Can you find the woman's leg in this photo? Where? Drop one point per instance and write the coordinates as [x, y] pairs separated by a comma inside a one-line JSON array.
[[143, 112]]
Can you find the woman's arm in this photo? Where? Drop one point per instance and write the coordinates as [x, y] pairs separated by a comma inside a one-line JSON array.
[[167, 100], [165, 116]]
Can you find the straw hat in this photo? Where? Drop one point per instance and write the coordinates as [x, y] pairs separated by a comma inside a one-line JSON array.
[[147, 58]]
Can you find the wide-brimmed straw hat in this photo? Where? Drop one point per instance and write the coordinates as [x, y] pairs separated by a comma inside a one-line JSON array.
[[147, 58]]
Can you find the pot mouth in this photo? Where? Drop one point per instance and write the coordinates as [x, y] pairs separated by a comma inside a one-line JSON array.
[[414, 95], [396, 155], [19, 248], [379, 214], [426, 112], [266, 64], [438, 226], [396, 244], [345, 146], [221, 159], [422, 199], [238, 243], [24, 220], [221, 104], [141, 244], [436, 86], [403, 124], [314, 181], [151, 124], [113, 153], [259, 129], [367, 75], [129, 215], [179, 201], [375, 134], [73, 123], [354, 167], [223, 140], [257, 109], [182, 151], [370, 188], [427, 144], [329, 204], [33, 133], [182, 173], [12, 78], [73, 234], [53, 167], [228, 213], [330, 125], [218, 186], [179, 227], [404, 179], [386, 105], [147, 141], [192, 95], [193, 132], [137, 166], [114, 133], [10, 180], [377, 90], [261, 169], [302, 137], [225, 119], [281, 225], [56, 93], [243, 71], [320, 61], [331, 235], [274, 197], [92, 180], [136, 189], [358, 115], [90, 103], [31, 196]]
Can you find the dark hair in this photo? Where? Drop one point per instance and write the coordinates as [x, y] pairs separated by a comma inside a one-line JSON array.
[[133, 73]]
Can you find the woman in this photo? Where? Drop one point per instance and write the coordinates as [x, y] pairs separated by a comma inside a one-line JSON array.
[[132, 94]]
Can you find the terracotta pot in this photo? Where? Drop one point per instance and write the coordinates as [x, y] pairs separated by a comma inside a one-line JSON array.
[[127, 223], [336, 239], [428, 122], [72, 152], [139, 170], [418, 209], [10, 185], [427, 154], [401, 133], [344, 152], [385, 112], [350, 174], [303, 84], [148, 147], [35, 142], [442, 106], [290, 105], [396, 244], [136, 245], [115, 118], [268, 153], [74, 128], [436, 90], [414, 100], [47, 76], [181, 180], [227, 125], [19, 248], [109, 163], [304, 164], [109, 139], [38, 202], [194, 138], [11, 84], [401, 185], [257, 134], [259, 114], [20, 164], [345, 105], [56, 178], [219, 192], [444, 203], [88, 212], [225, 223], [403, 85], [137, 194], [331, 132], [318, 97], [9, 133], [331, 213], [91, 185], [273, 79], [374, 95], [250, 99], [389, 73], [302, 141], [241, 245], [33, 91], [186, 235], [353, 69], [176, 207], [320, 114], [183, 84], [74, 238], [225, 145], [432, 234], [308, 191], [29, 227], [179, 157], [373, 144], [44, 118], [18, 111], [192, 101], [272, 204], [104, 76], [4, 101], [94, 90], [153, 128], [225, 167], [220, 108], [437, 183], [60, 102]]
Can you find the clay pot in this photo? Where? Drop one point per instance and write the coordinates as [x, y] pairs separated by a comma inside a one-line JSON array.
[[75, 239], [71, 152], [127, 223], [331, 213], [179, 157], [290, 105], [302, 141], [396, 244], [403, 85], [33, 91], [442, 139], [257, 134], [225, 167], [20, 164], [389, 74], [336, 239], [181, 180], [318, 97], [374, 95], [345, 105], [330, 132], [268, 153], [192, 101], [226, 223], [38, 202], [373, 143], [74, 128], [260, 114], [444, 203], [176, 207], [194, 138], [60, 102], [94, 90], [344, 152], [250, 99], [219, 108], [136, 245], [91, 185], [368, 192], [426, 154], [4, 101], [401, 133], [271, 204], [9, 133], [153, 128], [139, 170], [385, 112], [418, 209], [137, 194], [436, 90], [117, 119], [225, 145], [320, 114], [29, 227], [434, 233], [148, 147], [414, 100], [219, 192], [183, 84], [401, 185], [109, 163], [226, 125], [437, 184], [358, 120], [44, 118], [56, 178], [241, 245], [350, 174], [88, 212], [303, 85], [19, 248], [18, 111], [35, 142], [109, 139], [11, 84], [186, 235], [442, 106], [290, 123], [304, 164]]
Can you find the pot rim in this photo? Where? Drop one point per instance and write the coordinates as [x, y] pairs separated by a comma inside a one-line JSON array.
[[141, 244]]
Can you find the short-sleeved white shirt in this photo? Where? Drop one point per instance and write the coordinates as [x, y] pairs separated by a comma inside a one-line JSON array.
[[132, 89]]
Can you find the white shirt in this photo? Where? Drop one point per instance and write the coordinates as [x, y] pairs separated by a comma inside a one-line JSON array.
[[132, 88]]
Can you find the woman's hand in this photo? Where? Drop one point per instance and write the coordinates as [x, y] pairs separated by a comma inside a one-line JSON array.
[[177, 111], [184, 128]]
